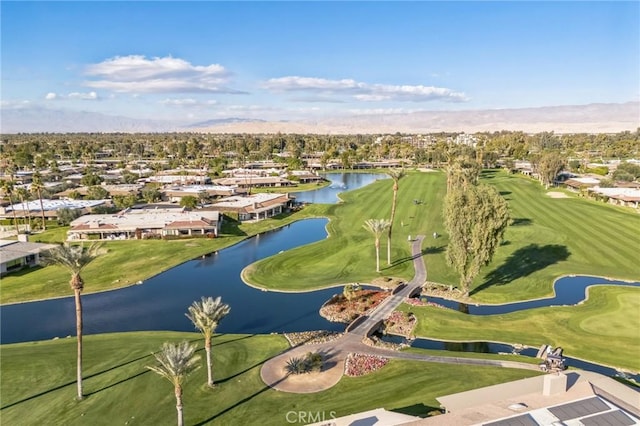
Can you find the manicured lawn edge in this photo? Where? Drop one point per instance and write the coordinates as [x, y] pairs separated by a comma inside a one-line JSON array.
[[119, 388]]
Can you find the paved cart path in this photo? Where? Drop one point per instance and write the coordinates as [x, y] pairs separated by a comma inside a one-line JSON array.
[[335, 352]]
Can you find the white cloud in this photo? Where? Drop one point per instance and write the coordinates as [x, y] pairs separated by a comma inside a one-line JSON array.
[[187, 102], [13, 104], [137, 74], [90, 96], [363, 91], [293, 83], [84, 96]]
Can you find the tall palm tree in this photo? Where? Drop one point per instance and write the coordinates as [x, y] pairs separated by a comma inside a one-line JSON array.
[[38, 186], [177, 361], [377, 228], [74, 259], [7, 188], [206, 316], [396, 175], [23, 195]]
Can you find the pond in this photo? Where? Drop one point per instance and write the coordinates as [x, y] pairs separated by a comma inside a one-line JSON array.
[[569, 290], [161, 302], [340, 182]]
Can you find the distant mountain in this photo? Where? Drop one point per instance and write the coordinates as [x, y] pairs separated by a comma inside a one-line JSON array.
[[219, 121], [592, 118], [45, 120]]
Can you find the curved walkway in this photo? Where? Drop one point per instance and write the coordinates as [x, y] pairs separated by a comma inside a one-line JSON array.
[[335, 352]]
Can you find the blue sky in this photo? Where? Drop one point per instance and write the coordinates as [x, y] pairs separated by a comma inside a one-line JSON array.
[[196, 61]]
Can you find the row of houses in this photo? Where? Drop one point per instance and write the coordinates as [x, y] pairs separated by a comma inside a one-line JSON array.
[[623, 194], [162, 221]]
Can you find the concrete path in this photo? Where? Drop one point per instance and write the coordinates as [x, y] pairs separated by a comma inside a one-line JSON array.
[[335, 352]]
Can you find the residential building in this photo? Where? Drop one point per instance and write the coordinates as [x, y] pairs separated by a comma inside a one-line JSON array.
[[256, 206], [145, 224], [16, 255], [254, 182], [175, 193], [51, 207]]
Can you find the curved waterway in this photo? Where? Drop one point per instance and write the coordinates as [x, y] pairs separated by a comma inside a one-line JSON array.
[[569, 290], [161, 302]]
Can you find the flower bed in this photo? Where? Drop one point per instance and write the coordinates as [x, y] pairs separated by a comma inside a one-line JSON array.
[[413, 301], [400, 323], [358, 364], [311, 337], [339, 309], [377, 342]]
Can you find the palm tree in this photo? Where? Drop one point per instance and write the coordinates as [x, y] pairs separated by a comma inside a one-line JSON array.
[[7, 188], [37, 186], [23, 195], [176, 363], [377, 227], [74, 258], [396, 175], [206, 315]]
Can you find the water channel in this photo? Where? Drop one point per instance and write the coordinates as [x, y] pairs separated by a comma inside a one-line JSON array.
[[161, 302]]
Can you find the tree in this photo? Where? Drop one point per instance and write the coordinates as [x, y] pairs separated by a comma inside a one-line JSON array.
[[66, 215], [91, 179], [97, 193], [627, 172], [350, 290], [124, 201], [549, 165], [23, 195], [74, 259], [206, 316], [475, 219], [151, 194], [396, 175], [7, 188], [189, 202], [462, 171], [176, 362], [38, 186], [376, 227]]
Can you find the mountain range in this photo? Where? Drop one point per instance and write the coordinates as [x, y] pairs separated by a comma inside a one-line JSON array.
[[591, 118]]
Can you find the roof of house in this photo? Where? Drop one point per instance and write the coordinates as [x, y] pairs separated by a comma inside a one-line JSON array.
[[12, 250], [56, 204], [625, 194], [132, 219], [196, 189], [586, 396], [252, 201]]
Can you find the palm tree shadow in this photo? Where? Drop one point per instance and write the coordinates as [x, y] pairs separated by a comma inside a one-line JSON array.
[[73, 382], [231, 407], [233, 376], [215, 345], [117, 383], [524, 262], [428, 250]]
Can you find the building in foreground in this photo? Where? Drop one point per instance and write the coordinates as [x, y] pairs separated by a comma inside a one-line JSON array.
[[145, 224], [574, 398], [16, 255], [256, 206]]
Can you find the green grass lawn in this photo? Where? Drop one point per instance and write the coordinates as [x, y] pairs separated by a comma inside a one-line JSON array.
[[127, 262], [37, 384], [603, 329], [549, 238], [348, 255]]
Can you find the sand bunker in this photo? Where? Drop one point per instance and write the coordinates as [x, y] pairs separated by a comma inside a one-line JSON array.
[[557, 195]]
